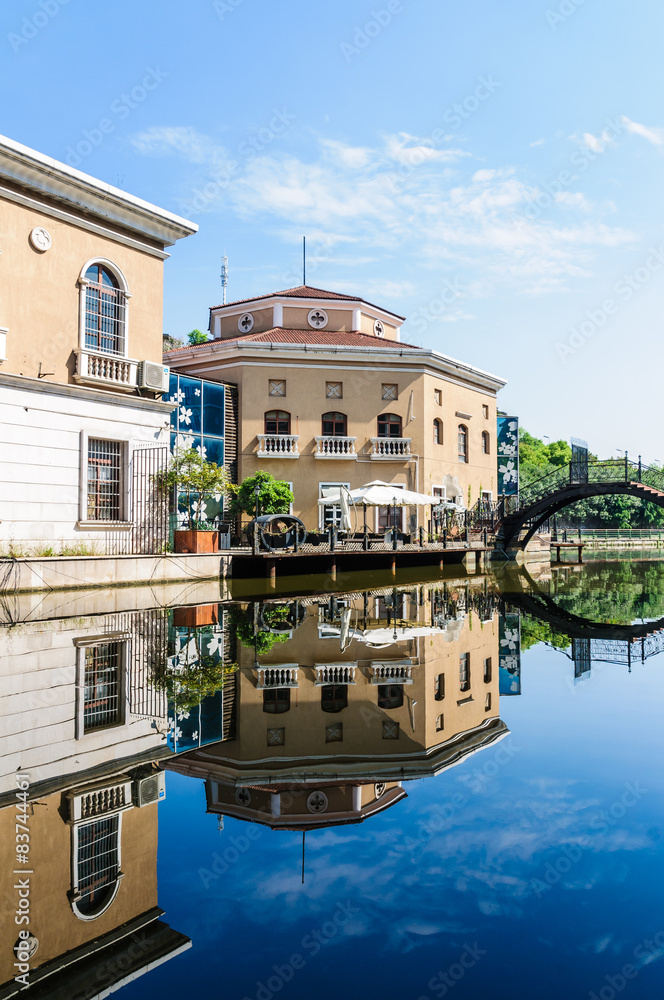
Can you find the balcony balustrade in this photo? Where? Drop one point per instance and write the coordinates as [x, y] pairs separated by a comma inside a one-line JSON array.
[[390, 449], [278, 446], [392, 672], [280, 675], [335, 447], [334, 673], [102, 370]]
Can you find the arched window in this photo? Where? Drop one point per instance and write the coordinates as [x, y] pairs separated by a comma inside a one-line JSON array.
[[334, 697], [389, 426], [97, 861], [486, 443], [277, 422], [438, 431], [463, 442], [276, 700], [390, 695], [104, 311], [335, 424]]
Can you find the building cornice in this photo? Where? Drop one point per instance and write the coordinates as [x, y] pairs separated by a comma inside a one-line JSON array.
[[423, 357], [78, 392], [79, 191]]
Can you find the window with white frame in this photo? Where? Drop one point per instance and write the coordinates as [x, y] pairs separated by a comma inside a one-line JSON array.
[[104, 480], [97, 863], [104, 308], [101, 688]]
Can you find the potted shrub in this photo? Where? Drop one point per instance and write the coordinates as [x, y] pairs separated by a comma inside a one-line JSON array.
[[201, 480]]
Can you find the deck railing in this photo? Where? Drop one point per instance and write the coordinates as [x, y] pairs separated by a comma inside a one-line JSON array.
[[335, 447], [390, 449]]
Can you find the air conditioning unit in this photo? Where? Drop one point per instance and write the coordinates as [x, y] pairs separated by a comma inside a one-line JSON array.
[[153, 376], [150, 789]]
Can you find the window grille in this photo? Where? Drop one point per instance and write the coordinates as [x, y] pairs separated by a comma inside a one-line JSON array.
[[104, 480], [277, 387], [104, 312], [334, 390], [390, 390], [101, 705], [97, 862], [334, 734]]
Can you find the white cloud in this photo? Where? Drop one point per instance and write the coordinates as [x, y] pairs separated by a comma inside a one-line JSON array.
[[653, 135], [538, 142], [404, 195]]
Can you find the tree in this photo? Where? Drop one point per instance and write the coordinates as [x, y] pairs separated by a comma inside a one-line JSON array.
[[275, 496], [202, 480], [197, 337], [171, 343]]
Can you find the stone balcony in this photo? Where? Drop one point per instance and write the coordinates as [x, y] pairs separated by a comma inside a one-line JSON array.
[[278, 446], [334, 673], [280, 675], [392, 672], [335, 447], [105, 370], [390, 449]]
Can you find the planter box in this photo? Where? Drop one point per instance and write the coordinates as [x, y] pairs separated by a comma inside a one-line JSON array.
[[196, 541], [200, 614]]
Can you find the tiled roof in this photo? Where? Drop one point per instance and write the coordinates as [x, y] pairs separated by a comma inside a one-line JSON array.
[[320, 338], [305, 292]]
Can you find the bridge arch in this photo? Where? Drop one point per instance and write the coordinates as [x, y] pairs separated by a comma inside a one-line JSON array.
[[532, 515]]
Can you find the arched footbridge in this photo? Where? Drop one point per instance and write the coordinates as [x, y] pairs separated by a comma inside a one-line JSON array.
[[515, 519]]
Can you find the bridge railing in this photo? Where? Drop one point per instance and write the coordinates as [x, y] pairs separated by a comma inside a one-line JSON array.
[[613, 470]]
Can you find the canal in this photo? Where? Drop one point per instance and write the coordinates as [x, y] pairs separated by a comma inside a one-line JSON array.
[[427, 785]]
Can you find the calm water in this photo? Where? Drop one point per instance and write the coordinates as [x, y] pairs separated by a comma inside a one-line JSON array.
[[422, 788]]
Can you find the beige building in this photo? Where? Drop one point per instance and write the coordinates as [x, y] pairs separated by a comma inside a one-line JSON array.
[[82, 732], [365, 694], [329, 394], [81, 374]]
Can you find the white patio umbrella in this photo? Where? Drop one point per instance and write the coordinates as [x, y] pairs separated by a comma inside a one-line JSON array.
[[380, 494]]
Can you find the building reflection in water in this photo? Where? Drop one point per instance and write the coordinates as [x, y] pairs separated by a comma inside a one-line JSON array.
[[338, 701], [84, 731]]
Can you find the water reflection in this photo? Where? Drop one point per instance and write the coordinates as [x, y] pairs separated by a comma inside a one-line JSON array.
[[339, 701], [325, 710]]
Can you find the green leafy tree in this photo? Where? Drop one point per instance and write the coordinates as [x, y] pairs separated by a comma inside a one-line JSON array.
[[197, 337], [202, 480], [275, 496]]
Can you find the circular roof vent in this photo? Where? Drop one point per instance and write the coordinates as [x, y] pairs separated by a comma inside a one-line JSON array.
[[245, 324], [379, 329]]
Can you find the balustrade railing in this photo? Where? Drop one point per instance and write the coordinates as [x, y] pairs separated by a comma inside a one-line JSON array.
[[278, 446], [387, 448], [334, 673], [105, 369], [282, 675], [335, 447], [397, 672]]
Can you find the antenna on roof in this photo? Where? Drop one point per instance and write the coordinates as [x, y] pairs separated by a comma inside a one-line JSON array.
[[224, 278], [304, 260]]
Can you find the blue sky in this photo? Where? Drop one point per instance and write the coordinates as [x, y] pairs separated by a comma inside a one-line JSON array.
[[491, 171]]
